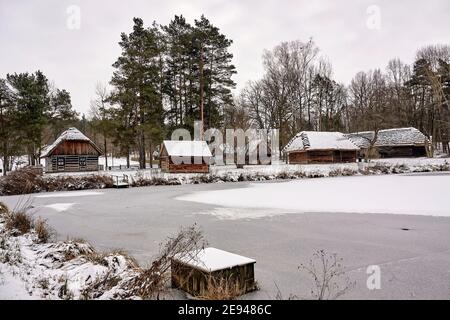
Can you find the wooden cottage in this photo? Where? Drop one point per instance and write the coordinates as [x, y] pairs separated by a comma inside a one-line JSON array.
[[320, 147], [71, 152], [178, 156], [196, 271], [391, 143]]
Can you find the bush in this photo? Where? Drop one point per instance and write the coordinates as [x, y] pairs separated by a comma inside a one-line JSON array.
[[25, 181], [19, 221], [21, 181]]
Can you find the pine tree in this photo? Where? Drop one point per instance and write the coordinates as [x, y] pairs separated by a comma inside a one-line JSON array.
[[138, 82], [31, 97]]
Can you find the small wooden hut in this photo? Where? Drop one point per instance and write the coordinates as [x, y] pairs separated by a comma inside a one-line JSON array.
[[391, 143], [71, 152], [196, 271], [320, 147], [179, 156]]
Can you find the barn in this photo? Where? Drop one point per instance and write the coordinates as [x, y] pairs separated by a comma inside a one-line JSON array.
[[179, 156], [320, 147], [71, 152], [392, 143]]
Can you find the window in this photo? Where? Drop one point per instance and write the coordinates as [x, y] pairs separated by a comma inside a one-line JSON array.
[[61, 161], [82, 162]]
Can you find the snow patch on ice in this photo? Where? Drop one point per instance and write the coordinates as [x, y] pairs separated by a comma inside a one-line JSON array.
[[70, 194], [60, 207]]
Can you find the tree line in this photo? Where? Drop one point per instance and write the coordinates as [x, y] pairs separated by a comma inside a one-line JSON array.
[[297, 92], [168, 76]]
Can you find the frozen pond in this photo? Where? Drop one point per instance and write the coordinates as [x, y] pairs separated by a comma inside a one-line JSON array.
[[413, 251]]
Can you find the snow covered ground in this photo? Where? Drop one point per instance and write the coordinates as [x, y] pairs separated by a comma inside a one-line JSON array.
[[59, 270], [387, 194]]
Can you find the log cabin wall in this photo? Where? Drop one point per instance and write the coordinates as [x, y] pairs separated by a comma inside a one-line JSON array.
[[71, 163]]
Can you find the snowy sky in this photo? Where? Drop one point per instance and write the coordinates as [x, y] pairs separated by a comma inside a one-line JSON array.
[[76, 54]]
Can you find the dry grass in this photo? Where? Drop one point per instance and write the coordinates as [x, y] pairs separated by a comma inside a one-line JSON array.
[[18, 221], [43, 231], [3, 209], [220, 288]]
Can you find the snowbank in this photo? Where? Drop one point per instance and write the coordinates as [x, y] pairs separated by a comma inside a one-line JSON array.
[[61, 270]]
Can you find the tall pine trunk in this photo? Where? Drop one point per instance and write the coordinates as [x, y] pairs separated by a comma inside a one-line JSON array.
[[142, 160], [106, 152]]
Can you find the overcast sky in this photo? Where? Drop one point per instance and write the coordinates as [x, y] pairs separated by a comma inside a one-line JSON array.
[[355, 34]]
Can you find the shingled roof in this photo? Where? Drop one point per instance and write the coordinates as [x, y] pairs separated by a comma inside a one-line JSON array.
[[71, 134], [316, 140], [390, 137]]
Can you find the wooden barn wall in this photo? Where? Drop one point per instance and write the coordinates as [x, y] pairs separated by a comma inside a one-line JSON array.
[[298, 157], [402, 151], [72, 163], [167, 165], [75, 148], [322, 156]]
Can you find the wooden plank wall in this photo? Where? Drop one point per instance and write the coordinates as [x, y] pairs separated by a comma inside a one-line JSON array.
[[75, 148], [195, 281], [167, 165], [322, 156]]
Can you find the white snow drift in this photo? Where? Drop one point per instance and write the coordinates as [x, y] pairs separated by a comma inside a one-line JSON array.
[[399, 194]]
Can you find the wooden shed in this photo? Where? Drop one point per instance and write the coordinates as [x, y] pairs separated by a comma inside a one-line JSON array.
[[195, 272], [391, 143], [179, 156], [320, 147], [71, 152]]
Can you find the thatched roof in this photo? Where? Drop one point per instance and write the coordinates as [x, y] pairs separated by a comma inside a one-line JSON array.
[[71, 134], [317, 140], [389, 138]]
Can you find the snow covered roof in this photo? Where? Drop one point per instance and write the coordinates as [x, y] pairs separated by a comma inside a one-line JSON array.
[[180, 148], [212, 259], [71, 134], [317, 140], [389, 137]]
